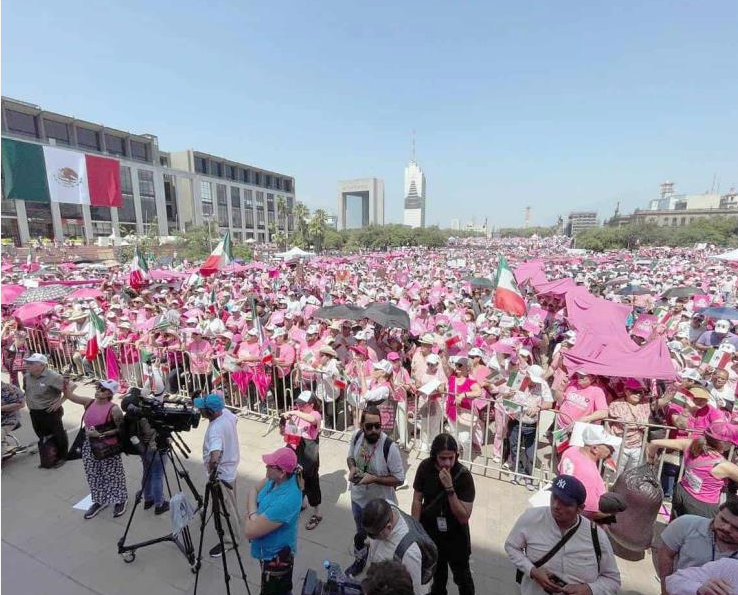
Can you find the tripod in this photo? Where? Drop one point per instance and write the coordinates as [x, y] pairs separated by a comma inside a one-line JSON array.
[[214, 498], [167, 444]]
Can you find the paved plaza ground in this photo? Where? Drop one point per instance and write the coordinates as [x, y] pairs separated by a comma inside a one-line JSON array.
[[49, 549]]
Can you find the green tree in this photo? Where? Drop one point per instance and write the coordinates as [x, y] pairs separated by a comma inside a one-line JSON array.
[[317, 228], [300, 214], [282, 213]]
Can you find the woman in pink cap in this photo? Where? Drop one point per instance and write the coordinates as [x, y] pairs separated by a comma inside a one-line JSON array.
[[706, 470], [272, 511]]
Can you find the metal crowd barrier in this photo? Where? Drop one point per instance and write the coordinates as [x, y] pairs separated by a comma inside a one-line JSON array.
[[265, 391]]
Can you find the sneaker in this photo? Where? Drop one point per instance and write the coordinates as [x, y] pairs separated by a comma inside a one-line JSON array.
[[356, 568], [162, 508], [216, 551], [515, 481], [496, 460], [119, 509], [93, 510], [530, 486]]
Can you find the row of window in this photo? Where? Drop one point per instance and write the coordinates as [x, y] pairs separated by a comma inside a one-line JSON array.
[[63, 134], [210, 167]]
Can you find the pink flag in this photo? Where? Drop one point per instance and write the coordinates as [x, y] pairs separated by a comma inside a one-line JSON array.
[[701, 301], [644, 326]]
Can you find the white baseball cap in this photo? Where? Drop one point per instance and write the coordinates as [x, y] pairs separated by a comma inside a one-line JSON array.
[[279, 332], [535, 373], [476, 352], [110, 385], [304, 396], [37, 358], [596, 435], [433, 359], [253, 332], [383, 365], [312, 330]]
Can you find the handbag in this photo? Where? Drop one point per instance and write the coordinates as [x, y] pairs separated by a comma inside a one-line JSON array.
[[75, 451], [101, 449]]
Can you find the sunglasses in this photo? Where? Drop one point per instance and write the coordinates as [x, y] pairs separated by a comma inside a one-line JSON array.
[[273, 467], [373, 426]]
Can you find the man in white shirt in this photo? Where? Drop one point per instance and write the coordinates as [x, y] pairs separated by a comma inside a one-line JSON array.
[[718, 577], [386, 528], [221, 451], [575, 568]]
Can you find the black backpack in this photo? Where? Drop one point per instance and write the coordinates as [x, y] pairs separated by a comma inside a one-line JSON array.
[[428, 549]]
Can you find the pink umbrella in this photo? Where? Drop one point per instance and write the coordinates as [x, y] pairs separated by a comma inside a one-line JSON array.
[[163, 275], [10, 292], [33, 310], [7, 267], [85, 293]]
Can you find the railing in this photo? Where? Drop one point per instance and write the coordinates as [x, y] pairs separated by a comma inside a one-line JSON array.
[[492, 441]]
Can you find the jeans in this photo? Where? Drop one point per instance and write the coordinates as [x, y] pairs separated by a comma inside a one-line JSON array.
[[47, 423], [153, 489], [361, 551], [524, 463], [669, 474]]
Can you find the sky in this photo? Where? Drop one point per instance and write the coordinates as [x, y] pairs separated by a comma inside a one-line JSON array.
[[559, 106]]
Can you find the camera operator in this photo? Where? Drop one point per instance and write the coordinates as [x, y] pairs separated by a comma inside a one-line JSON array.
[[139, 427], [443, 500], [375, 469], [557, 550], [272, 511], [221, 451]]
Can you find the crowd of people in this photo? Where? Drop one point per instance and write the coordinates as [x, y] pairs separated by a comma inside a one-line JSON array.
[[587, 368]]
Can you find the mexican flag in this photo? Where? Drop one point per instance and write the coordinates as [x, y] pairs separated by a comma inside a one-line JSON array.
[[49, 174], [507, 294], [518, 381], [264, 350], [139, 270], [220, 258], [716, 358], [94, 336], [511, 407]]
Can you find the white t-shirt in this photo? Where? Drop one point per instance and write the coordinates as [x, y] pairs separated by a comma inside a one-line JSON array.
[[221, 435]]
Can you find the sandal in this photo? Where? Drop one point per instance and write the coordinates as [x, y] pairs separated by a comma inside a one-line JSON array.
[[313, 522]]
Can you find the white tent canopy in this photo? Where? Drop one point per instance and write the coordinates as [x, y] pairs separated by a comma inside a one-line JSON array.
[[294, 254], [731, 256]]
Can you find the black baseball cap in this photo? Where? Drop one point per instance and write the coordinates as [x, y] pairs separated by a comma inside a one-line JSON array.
[[569, 489]]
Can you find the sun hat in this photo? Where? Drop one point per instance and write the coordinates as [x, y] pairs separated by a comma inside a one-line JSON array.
[[535, 373]]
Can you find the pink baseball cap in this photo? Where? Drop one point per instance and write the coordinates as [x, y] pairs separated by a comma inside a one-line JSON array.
[[284, 458], [723, 431], [393, 356], [634, 384]]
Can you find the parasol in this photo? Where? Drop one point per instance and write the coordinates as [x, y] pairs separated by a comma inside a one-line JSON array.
[[45, 293], [340, 312], [480, 282], [678, 292], [85, 293], [387, 315], [719, 312], [632, 290], [33, 310], [11, 292]]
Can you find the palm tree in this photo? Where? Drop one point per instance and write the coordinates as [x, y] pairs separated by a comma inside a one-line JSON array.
[[282, 212], [317, 228], [301, 213]]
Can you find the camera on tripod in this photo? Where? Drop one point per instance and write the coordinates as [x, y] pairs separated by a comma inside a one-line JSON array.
[[167, 415], [336, 582]]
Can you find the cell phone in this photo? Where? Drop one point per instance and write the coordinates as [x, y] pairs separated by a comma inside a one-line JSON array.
[[357, 478], [557, 581]]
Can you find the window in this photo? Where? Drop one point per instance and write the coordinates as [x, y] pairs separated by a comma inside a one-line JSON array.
[[101, 229], [21, 123], [230, 172], [89, 139], [683, 221], [257, 178], [290, 202], [277, 183], [216, 169], [140, 151], [59, 131], [270, 203], [268, 181], [249, 218], [260, 218], [236, 207], [127, 212], [245, 176], [148, 195], [222, 205], [248, 198], [115, 145], [126, 185], [170, 201], [206, 197], [8, 206], [100, 214], [163, 160], [70, 211], [201, 165], [288, 185]]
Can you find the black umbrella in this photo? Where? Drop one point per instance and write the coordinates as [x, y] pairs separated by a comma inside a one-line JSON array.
[[45, 293], [678, 292], [616, 281], [632, 290], [719, 312], [480, 282], [340, 312], [387, 315]]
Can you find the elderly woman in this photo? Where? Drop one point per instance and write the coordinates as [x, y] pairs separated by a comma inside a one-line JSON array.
[[464, 420], [102, 421], [433, 382]]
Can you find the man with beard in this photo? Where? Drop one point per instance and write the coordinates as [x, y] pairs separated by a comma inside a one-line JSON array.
[[375, 469], [692, 540]]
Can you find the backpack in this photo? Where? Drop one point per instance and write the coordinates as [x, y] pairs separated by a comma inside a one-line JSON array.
[[48, 451], [385, 447], [428, 549]]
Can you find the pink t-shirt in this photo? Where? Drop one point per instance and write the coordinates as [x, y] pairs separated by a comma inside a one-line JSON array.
[[699, 421], [305, 428], [575, 462], [579, 402], [698, 480], [200, 353]]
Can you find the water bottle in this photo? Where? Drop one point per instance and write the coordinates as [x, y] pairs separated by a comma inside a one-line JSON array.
[[334, 572]]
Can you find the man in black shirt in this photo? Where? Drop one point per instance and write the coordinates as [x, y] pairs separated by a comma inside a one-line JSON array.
[[443, 500]]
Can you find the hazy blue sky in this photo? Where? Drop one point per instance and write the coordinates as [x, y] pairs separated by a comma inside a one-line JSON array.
[[553, 104]]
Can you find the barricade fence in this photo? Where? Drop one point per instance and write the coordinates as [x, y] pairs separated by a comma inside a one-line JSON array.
[[494, 437]]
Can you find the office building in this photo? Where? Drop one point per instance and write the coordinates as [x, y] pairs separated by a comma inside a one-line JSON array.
[[360, 203], [162, 192], [455, 224], [414, 212], [579, 221]]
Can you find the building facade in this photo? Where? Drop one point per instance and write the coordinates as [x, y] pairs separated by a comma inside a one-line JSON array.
[[414, 211], [360, 203], [579, 221], [161, 192]]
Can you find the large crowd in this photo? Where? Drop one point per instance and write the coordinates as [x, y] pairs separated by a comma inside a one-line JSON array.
[[618, 366]]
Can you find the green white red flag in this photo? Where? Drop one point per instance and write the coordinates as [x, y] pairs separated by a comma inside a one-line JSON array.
[[221, 257], [507, 294], [265, 353], [95, 335], [139, 270]]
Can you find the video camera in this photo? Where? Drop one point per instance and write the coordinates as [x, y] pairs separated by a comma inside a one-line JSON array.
[[336, 582], [162, 414]]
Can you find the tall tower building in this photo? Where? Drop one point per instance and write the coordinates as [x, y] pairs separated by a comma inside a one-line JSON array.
[[414, 214]]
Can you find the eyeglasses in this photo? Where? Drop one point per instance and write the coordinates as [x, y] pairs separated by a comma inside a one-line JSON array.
[[273, 467], [373, 426]]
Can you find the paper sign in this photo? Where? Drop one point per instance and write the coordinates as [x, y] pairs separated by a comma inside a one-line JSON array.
[[84, 504], [430, 387]]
